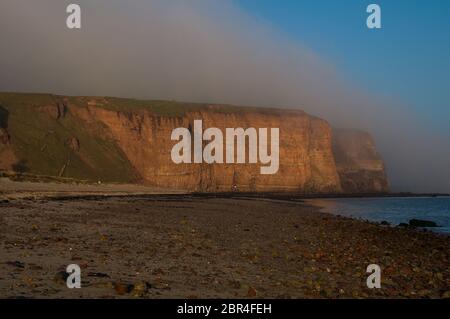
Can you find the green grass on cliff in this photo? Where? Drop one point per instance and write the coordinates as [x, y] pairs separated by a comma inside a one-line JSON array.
[[41, 143]]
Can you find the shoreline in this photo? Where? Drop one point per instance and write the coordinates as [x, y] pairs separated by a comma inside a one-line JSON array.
[[30, 190], [383, 223], [9, 187], [188, 246]]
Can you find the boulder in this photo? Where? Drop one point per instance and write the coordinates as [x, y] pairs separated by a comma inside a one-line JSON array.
[[422, 223]]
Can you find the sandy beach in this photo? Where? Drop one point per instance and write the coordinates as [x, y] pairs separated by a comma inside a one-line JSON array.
[[187, 246], [11, 190]]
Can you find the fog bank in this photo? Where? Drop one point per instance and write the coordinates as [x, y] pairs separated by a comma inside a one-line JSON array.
[[205, 51]]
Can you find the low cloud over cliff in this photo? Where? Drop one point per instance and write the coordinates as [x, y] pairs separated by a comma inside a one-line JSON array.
[[207, 51]]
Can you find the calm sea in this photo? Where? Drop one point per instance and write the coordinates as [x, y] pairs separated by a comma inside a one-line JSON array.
[[394, 210]]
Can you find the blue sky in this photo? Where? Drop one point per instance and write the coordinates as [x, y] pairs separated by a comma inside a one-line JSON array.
[[408, 59]]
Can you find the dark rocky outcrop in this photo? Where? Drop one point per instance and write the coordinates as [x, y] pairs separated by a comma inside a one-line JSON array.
[[422, 223], [5, 138], [55, 110]]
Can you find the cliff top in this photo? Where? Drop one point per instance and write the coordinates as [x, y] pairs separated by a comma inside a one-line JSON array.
[[159, 107]]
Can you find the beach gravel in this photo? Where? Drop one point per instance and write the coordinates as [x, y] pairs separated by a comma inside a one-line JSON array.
[[183, 246]]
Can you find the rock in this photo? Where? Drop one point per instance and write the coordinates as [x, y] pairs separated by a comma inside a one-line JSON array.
[[422, 223], [122, 289], [140, 289], [5, 138], [35, 267], [252, 293], [74, 144], [16, 264], [385, 223], [235, 284], [158, 272], [56, 111], [61, 278]]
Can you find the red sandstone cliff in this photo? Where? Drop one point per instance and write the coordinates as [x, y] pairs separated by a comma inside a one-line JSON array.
[[106, 138], [306, 159]]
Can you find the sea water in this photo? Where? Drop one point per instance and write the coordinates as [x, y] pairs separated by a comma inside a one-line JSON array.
[[394, 210]]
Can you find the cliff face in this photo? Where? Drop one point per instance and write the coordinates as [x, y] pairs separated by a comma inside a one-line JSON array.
[[360, 167], [306, 160], [123, 140]]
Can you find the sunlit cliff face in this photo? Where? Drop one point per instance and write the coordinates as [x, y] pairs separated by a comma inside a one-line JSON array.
[[209, 51]]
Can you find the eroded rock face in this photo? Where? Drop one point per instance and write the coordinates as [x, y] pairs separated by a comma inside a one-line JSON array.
[[5, 139], [306, 158], [74, 144], [7, 156], [56, 110], [120, 140], [360, 167]]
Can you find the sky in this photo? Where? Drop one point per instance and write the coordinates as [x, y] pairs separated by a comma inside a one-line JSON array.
[[407, 59], [317, 56]]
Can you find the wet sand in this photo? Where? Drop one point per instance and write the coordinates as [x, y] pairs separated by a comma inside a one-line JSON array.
[[187, 246]]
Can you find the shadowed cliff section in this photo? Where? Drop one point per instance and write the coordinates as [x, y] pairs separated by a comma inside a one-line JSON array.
[[129, 141], [360, 167], [6, 154], [4, 136]]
